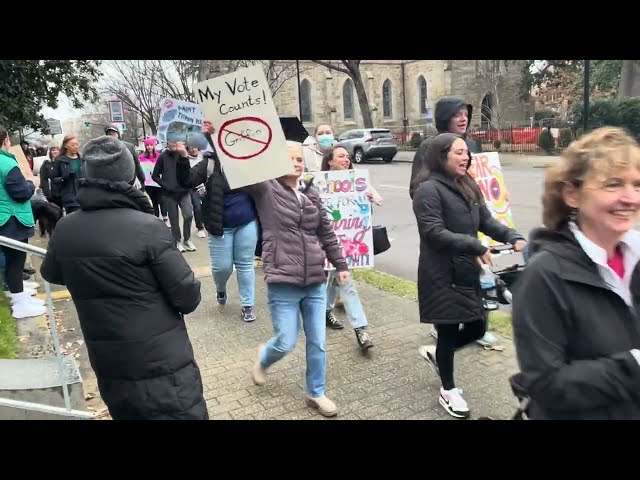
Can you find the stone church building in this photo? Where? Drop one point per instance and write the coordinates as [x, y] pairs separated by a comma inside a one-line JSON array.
[[404, 89]]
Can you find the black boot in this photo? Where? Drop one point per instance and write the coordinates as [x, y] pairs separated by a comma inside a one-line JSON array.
[[333, 322], [363, 338]]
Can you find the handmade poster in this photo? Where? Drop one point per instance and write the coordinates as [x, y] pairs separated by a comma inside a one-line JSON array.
[[343, 194], [486, 170], [181, 121], [249, 139]]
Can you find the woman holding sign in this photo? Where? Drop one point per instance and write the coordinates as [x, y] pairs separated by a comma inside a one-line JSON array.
[[450, 211], [230, 218], [337, 158]]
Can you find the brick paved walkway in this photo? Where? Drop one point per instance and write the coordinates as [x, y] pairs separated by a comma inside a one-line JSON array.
[[393, 382]]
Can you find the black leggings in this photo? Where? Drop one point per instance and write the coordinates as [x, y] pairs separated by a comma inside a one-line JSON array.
[[15, 260], [155, 194], [450, 339]]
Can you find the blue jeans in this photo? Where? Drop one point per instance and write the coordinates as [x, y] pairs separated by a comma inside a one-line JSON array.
[[235, 246], [285, 301], [350, 298]]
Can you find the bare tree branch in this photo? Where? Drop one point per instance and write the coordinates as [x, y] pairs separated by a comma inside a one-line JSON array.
[[331, 66]]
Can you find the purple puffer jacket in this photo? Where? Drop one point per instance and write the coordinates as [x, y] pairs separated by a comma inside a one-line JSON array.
[[295, 237]]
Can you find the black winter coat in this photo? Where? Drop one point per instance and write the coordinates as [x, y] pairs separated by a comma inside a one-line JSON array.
[[573, 335], [446, 108], [213, 203], [64, 184], [45, 175], [448, 273], [131, 288]]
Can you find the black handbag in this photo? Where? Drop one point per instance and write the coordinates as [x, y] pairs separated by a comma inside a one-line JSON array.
[[380, 239]]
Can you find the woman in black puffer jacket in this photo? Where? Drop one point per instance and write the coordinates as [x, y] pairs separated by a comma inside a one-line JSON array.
[[450, 211], [131, 288]]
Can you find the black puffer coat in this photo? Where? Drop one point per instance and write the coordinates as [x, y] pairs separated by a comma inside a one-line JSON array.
[[213, 203], [448, 274], [131, 288]]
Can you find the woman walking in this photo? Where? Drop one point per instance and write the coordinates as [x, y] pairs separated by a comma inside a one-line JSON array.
[[67, 171], [576, 321], [148, 160], [450, 211], [297, 237], [337, 158], [230, 218]]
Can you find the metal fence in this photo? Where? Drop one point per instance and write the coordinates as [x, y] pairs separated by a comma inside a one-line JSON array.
[[516, 137], [38, 407]]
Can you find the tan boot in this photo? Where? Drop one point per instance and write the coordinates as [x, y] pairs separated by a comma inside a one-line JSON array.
[[259, 374], [325, 406]]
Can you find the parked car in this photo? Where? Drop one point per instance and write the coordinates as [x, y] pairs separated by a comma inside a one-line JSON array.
[[367, 143]]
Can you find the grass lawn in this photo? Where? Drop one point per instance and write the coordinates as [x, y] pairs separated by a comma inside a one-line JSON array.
[[8, 330], [500, 322]]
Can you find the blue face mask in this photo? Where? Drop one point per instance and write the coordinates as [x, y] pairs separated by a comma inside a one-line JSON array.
[[325, 140]]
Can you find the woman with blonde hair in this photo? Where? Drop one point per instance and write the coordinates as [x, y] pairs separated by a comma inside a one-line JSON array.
[[67, 171], [576, 322]]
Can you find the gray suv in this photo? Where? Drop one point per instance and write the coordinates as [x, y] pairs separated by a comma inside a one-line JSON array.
[[367, 143]]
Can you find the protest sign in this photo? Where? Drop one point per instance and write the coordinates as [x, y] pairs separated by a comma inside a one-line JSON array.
[[487, 172], [343, 195], [23, 163], [181, 121], [249, 139]]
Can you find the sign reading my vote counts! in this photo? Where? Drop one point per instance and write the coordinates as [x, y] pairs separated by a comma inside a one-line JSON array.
[[249, 139]]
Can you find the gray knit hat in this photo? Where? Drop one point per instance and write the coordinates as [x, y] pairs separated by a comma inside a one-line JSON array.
[[108, 158]]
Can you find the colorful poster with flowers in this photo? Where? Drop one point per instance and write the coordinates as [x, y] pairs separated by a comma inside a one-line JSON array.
[[343, 194], [486, 170]]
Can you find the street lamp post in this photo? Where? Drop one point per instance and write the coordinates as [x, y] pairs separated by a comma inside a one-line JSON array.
[[299, 96], [585, 113]]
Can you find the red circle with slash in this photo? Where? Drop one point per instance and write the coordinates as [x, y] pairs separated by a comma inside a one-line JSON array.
[[264, 144]]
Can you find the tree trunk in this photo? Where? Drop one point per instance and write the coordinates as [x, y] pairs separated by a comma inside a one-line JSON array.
[[365, 110], [626, 79]]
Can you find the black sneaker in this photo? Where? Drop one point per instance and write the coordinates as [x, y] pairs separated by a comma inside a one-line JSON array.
[[29, 270], [333, 322], [247, 314], [363, 338], [222, 298]]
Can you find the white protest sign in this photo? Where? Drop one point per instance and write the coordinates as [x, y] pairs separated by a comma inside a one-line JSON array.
[[343, 195], [181, 121], [249, 139]]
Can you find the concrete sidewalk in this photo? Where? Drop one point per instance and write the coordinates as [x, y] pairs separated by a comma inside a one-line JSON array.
[[393, 382]]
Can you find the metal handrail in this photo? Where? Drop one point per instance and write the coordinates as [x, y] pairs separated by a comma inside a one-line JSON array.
[[41, 252]]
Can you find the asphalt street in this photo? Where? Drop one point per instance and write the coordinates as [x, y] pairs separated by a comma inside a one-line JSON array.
[[524, 183]]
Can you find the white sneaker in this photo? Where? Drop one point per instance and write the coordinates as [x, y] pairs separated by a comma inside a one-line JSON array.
[[453, 403], [180, 247], [202, 233], [29, 291], [489, 340], [24, 297], [23, 307], [190, 247]]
